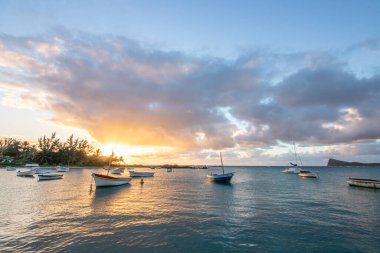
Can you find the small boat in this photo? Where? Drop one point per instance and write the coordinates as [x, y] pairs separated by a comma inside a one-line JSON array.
[[368, 183], [50, 176], [141, 174], [25, 173], [40, 171], [307, 174], [169, 169], [32, 165], [62, 169], [220, 178], [294, 169], [9, 168], [117, 171], [106, 180]]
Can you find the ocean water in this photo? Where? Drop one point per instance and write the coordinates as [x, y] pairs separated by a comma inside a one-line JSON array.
[[262, 210]]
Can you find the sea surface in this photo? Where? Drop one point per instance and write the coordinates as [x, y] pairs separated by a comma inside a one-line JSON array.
[[262, 210]]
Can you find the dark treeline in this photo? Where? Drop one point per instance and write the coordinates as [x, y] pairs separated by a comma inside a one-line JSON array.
[[51, 151]]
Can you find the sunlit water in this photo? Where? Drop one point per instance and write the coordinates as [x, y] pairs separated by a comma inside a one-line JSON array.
[[263, 210]]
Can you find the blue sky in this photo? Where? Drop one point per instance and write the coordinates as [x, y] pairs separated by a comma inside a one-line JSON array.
[[245, 70]]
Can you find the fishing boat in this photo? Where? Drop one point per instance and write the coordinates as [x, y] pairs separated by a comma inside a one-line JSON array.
[[294, 169], [41, 171], [25, 173], [62, 169], [368, 183], [117, 171], [140, 174], [220, 178], [50, 176], [10, 168], [102, 180], [31, 165], [307, 174]]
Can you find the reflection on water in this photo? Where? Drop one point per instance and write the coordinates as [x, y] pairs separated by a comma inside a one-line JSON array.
[[261, 210]]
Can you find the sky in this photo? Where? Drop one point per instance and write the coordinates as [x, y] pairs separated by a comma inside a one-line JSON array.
[[181, 81]]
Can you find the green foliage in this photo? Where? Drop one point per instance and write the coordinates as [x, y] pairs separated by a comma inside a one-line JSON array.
[[50, 151]]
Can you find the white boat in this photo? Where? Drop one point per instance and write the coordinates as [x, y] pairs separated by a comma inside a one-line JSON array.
[[62, 169], [105, 180], [294, 169], [169, 169], [141, 174], [220, 178], [368, 183], [41, 171], [9, 168], [117, 171], [32, 165], [25, 173], [50, 176], [307, 174]]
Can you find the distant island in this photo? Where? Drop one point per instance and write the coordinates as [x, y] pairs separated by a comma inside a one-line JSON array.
[[334, 162]]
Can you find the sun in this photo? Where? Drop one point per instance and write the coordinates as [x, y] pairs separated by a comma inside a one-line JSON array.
[[118, 149]]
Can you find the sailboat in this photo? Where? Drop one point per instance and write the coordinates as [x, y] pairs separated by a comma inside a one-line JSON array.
[[294, 169], [220, 178], [102, 180]]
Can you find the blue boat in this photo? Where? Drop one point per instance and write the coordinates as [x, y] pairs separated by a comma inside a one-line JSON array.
[[220, 178]]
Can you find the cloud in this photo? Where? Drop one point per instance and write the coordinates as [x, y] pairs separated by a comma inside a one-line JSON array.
[[123, 92]]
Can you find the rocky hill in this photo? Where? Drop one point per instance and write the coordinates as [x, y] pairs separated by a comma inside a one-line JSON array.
[[334, 162]]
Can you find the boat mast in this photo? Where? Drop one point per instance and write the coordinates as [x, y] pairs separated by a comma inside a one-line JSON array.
[[295, 153], [221, 160]]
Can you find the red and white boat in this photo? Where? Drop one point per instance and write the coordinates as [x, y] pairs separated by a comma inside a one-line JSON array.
[[102, 180]]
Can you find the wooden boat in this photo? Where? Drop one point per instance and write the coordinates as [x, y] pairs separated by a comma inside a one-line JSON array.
[[307, 174], [25, 173], [368, 183], [106, 180], [50, 176], [41, 171], [117, 171], [220, 178], [140, 174], [62, 169], [32, 165]]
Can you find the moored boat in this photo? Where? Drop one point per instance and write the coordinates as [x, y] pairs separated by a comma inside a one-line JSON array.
[[50, 176], [117, 171], [307, 174], [106, 180], [220, 178], [9, 168], [292, 170], [169, 169], [367, 183], [62, 169], [40, 171], [140, 174], [25, 173]]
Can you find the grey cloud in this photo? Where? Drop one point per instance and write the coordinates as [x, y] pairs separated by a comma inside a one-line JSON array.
[[123, 92]]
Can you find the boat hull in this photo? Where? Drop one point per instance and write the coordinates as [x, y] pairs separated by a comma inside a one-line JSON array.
[[11, 168], [291, 170], [28, 173], [220, 178], [367, 183], [107, 181], [141, 174], [50, 177], [62, 169], [307, 174]]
